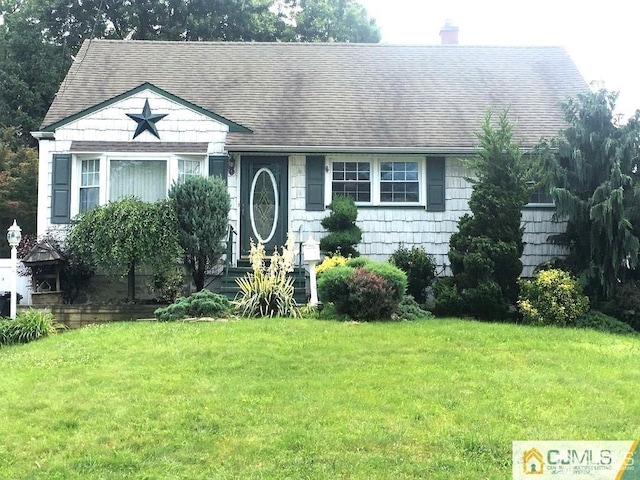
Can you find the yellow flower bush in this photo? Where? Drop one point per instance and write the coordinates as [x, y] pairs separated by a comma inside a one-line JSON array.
[[553, 298], [330, 262]]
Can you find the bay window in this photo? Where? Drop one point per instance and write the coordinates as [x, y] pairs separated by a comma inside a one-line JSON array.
[[113, 177]]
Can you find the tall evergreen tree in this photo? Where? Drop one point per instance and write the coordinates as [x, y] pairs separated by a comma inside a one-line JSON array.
[[485, 252], [202, 209], [592, 170]]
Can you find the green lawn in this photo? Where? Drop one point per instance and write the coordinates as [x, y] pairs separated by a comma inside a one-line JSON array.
[[436, 399]]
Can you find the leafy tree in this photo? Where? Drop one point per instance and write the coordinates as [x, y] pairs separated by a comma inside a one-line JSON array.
[[201, 207], [485, 251], [18, 185], [121, 236], [333, 21], [29, 77], [592, 170]]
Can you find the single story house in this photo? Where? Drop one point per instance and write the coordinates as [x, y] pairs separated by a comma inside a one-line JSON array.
[[288, 125]]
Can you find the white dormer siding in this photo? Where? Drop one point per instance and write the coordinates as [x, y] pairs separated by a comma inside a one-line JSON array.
[[106, 137]]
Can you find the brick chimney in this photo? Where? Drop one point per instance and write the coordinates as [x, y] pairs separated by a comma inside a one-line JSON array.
[[449, 33]]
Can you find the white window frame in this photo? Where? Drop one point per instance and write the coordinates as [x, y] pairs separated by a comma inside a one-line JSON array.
[[375, 172], [105, 171], [539, 204]]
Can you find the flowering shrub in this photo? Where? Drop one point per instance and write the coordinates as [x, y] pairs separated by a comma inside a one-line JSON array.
[[553, 298], [330, 262], [268, 291]]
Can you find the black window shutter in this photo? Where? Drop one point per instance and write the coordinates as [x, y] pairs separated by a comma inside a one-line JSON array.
[[61, 189], [315, 182], [435, 184], [218, 165]]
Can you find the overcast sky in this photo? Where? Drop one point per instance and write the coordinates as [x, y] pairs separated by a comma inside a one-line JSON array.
[[602, 38]]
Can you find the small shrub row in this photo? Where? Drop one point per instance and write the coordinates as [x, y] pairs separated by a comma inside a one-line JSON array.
[[200, 304], [28, 326]]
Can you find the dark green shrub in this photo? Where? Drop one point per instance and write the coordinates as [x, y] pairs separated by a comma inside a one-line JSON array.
[[201, 206], [486, 249], [599, 321], [175, 311], [207, 304], [200, 304], [487, 300], [447, 299], [625, 305], [420, 268], [333, 287], [409, 309], [371, 297], [343, 235], [553, 298], [28, 326]]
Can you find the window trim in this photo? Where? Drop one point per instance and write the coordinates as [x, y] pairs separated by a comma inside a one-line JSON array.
[[375, 170], [538, 204]]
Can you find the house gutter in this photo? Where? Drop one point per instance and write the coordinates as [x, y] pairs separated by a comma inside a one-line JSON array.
[[355, 149]]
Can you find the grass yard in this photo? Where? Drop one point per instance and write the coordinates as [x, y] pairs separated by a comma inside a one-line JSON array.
[[282, 398]]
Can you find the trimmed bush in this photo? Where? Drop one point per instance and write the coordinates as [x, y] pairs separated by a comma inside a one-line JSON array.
[[395, 277], [553, 298], [420, 268], [371, 297], [352, 296], [343, 235], [333, 287], [28, 326], [200, 304], [605, 323]]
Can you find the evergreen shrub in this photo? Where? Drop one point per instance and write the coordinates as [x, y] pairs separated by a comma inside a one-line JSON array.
[[420, 268], [344, 234], [597, 320], [409, 309], [200, 304]]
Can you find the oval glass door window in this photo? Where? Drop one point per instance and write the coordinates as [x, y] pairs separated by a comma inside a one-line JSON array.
[[263, 201]]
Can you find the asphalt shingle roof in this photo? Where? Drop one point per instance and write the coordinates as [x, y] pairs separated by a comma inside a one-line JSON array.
[[336, 95]]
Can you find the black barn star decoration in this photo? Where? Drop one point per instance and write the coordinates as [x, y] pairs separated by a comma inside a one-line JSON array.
[[146, 120]]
